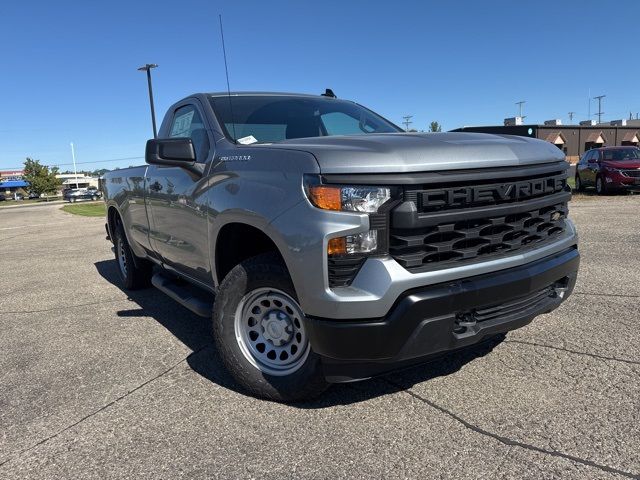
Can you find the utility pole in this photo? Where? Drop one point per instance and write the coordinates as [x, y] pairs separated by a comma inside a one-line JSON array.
[[407, 122], [600, 112], [147, 68], [571, 114], [73, 156], [520, 103]]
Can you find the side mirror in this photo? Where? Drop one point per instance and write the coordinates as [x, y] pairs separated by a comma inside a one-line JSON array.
[[175, 152]]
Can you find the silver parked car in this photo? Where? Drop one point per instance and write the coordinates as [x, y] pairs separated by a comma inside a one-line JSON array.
[[76, 194]]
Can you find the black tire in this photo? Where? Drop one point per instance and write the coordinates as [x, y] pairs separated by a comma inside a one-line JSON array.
[[135, 272], [579, 185], [601, 187], [260, 272]]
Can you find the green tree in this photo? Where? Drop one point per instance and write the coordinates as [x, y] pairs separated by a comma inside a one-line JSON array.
[[41, 179], [435, 127]]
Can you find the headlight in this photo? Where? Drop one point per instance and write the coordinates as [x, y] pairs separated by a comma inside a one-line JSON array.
[[351, 198], [348, 198]]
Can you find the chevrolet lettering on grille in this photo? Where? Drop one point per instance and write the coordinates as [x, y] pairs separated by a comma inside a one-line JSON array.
[[512, 191]]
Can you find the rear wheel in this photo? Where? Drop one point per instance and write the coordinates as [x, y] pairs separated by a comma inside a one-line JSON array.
[[134, 272], [258, 328]]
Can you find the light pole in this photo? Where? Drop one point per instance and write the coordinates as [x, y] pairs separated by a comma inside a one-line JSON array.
[[73, 157], [147, 68]]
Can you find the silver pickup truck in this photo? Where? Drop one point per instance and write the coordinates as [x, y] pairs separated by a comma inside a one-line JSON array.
[[327, 245]]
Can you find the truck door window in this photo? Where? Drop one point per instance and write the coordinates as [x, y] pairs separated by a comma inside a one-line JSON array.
[[187, 122]]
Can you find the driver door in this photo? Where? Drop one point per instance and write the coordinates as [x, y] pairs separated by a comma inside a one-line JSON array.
[[177, 202]]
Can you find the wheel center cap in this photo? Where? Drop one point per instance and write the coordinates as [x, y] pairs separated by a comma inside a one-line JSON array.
[[277, 328]]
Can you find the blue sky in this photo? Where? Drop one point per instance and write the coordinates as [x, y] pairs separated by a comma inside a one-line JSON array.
[[68, 69]]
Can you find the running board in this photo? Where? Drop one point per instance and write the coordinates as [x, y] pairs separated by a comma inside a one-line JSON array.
[[186, 295]]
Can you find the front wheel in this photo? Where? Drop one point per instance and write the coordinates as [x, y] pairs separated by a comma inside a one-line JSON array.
[[579, 185], [601, 188], [258, 328]]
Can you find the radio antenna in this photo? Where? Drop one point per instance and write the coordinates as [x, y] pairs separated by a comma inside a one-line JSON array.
[[226, 70]]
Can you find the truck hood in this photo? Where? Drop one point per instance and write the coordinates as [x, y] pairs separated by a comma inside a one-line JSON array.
[[415, 152]]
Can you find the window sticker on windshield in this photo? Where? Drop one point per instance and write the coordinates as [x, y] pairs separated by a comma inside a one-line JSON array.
[[182, 125], [247, 140]]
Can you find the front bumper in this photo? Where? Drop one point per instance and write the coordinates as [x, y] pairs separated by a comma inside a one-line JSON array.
[[617, 181], [629, 186], [438, 318]]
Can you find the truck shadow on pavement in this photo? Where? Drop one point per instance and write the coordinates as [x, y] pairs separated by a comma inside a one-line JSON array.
[[195, 333]]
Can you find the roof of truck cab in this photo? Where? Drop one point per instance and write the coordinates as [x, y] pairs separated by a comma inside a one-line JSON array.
[[269, 94]]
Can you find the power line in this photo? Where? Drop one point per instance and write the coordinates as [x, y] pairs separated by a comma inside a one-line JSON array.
[[600, 112], [79, 163]]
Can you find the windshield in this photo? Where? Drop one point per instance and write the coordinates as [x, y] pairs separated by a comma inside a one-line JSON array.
[[621, 154], [267, 119]]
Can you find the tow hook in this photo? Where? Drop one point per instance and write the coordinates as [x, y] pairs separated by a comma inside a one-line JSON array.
[[558, 292], [465, 319]]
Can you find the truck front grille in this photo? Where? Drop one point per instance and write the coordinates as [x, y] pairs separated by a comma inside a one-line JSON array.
[[469, 221], [468, 240]]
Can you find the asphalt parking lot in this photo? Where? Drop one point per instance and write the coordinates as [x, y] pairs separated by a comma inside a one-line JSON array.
[[96, 383]]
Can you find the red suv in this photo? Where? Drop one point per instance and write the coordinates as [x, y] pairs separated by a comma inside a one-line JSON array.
[[609, 169]]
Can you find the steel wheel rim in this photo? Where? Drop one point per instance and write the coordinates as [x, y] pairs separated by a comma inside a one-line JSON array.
[[270, 332], [122, 258]]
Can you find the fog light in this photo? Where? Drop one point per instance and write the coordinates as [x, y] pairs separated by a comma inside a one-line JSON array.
[[365, 242]]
